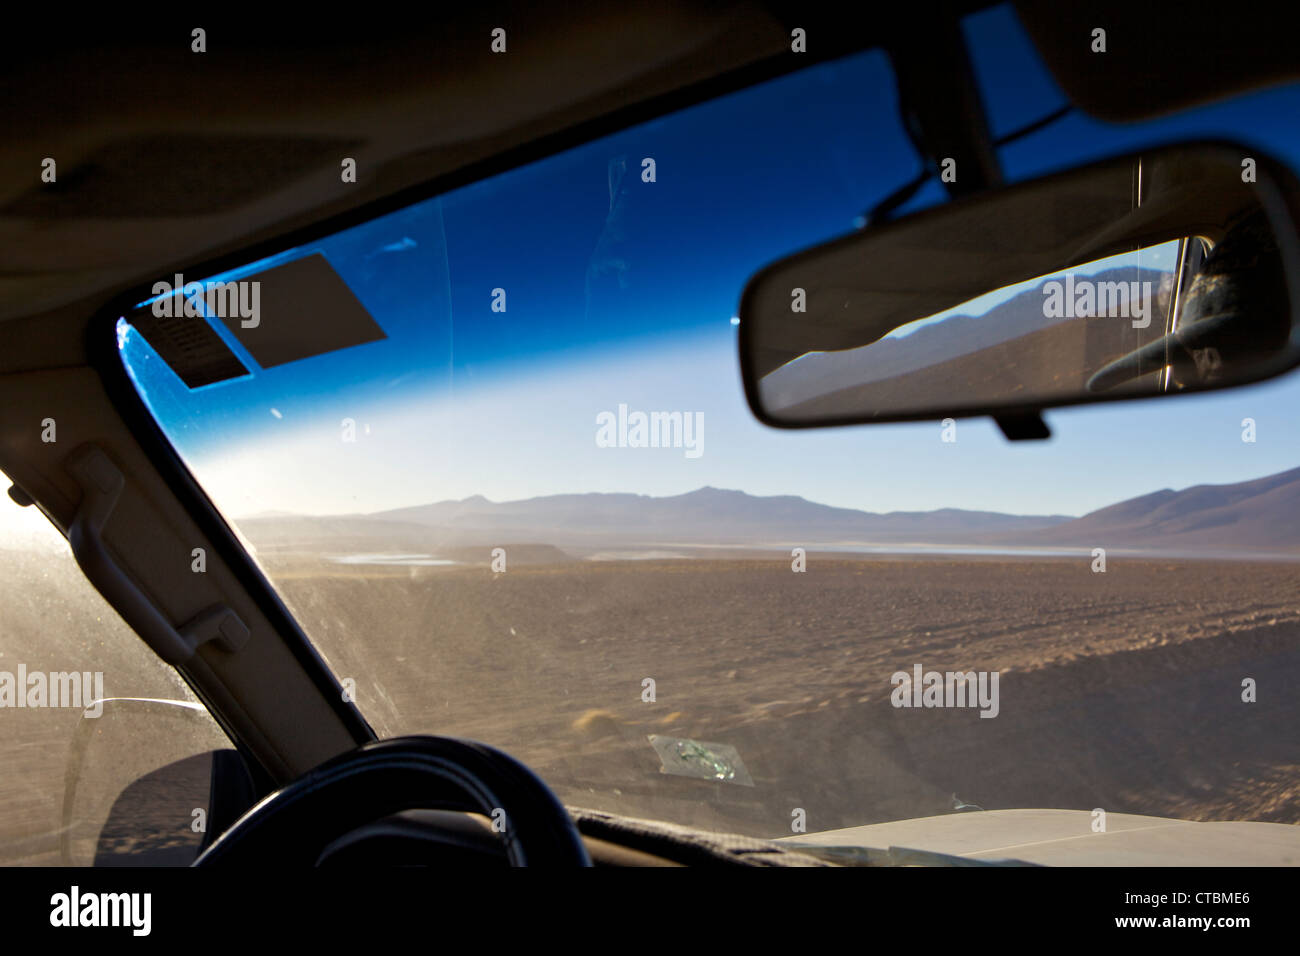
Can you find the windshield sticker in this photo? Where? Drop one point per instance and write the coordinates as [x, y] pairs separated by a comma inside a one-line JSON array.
[[190, 347], [304, 308], [695, 758]]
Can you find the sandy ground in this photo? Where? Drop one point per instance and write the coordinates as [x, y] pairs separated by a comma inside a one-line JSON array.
[[1119, 690]]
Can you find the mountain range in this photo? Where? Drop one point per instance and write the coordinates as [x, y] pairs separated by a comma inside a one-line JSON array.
[[1262, 515]]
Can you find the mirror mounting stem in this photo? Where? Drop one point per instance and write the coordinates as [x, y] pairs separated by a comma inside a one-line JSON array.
[[1023, 426], [941, 107]]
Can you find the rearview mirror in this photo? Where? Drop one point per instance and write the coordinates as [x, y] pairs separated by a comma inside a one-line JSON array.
[[1173, 270]]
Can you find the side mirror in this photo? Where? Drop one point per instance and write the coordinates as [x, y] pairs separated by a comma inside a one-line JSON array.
[[1172, 270], [187, 785]]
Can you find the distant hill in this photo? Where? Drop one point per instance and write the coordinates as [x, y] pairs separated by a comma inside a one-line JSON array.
[[1263, 515]]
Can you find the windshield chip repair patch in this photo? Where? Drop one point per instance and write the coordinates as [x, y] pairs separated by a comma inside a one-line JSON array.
[[696, 758]]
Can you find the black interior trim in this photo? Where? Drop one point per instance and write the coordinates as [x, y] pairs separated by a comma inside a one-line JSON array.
[[101, 349]]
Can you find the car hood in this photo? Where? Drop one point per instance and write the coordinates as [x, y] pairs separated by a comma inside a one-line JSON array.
[[1066, 838]]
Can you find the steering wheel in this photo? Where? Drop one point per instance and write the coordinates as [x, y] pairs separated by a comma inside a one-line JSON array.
[[293, 826]]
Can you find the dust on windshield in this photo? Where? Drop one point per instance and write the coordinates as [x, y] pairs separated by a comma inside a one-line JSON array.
[[493, 453]]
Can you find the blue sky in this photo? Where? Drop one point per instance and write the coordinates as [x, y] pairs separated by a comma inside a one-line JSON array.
[[620, 291]]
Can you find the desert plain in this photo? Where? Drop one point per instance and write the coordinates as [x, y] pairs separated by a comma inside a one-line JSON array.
[[1124, 690]]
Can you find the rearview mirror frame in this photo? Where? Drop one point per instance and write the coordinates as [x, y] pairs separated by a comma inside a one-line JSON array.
[[1278, 192]]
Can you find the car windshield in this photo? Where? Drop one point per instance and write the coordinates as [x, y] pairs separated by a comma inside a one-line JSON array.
[[492, 451]]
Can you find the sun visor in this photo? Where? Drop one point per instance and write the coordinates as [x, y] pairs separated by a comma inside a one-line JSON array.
[[1124, 62]]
